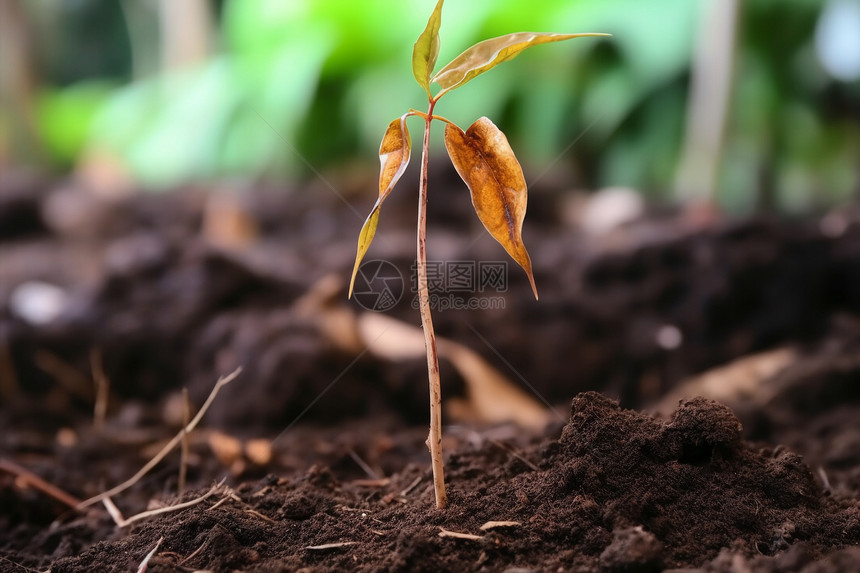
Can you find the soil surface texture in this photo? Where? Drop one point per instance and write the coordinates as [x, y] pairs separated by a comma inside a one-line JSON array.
[[684, 397]]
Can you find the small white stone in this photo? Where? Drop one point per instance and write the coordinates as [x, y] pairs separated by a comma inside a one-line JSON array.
[[38, 302], [611, 208], [833, 225], [669, 337]]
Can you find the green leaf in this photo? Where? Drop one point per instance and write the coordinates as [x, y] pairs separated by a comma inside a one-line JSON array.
[[487, 164], [394, 153], [488, 54], [426, 49]]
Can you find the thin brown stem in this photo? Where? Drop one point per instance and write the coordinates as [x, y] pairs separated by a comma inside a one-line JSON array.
[[434, 440]]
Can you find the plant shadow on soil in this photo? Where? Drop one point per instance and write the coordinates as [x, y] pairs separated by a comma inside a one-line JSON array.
[[765, 480]]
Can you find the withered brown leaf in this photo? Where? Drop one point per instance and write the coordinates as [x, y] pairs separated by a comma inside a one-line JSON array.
[[394, 153], [485, 161]]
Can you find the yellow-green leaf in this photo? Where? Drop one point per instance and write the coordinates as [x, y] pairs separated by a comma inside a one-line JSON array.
[[394, 152], [484, 159], [426, 49], [490, 53]]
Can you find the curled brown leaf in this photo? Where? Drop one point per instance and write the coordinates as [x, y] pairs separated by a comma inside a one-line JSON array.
[[487, 164], [394, 153]]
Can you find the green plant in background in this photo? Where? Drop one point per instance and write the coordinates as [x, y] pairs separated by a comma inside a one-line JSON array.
[[313, 70], [307, 65], [486, 163]]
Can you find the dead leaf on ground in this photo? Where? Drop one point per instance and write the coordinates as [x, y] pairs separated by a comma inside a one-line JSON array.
[[739, 380], [259, 451], [490, 396], [227, 449]]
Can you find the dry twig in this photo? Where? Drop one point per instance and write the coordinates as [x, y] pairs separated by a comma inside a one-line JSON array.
[[121, 522], [220, 502], [332, 545], [195, 552], [32, 479], [223, 381], [457, 535], [411, 486], [256, 513], [113, 510], [514, 453], [494, 524], [363, 464]]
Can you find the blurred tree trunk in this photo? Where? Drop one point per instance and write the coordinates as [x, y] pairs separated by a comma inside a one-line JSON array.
[[19, 138], [186, 32], [709, 101]]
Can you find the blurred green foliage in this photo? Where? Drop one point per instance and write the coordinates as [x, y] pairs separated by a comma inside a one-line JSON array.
[[322, 78]]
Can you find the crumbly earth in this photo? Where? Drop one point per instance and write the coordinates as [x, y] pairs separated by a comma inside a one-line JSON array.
[[618, 491], [767, 481]]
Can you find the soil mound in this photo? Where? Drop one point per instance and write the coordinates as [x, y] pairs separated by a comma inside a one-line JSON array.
[[618, 491]]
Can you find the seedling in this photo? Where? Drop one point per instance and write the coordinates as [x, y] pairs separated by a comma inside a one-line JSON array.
[[486, 163]]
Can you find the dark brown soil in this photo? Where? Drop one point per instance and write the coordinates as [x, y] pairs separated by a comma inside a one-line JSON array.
[[767, 481], [619, 491]]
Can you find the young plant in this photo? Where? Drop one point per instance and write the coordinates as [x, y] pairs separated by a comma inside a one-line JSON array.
[[485, 162]]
